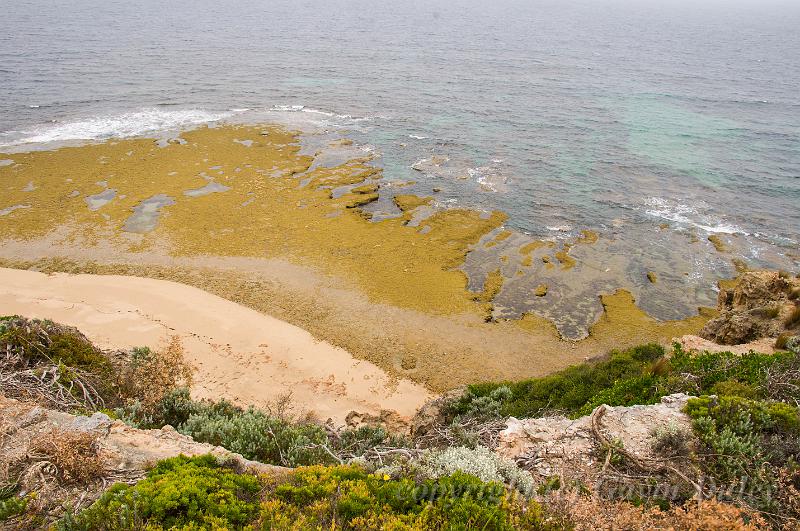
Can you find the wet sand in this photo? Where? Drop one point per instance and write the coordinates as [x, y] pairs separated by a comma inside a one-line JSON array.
[[238, 353]]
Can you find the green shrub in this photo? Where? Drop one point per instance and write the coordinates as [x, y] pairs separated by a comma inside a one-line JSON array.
[[734, 388], [11, 505], [349, 498], [702, 371], [173, 409], [181, 492], [354, 442], [671, 441], [566, 391], [628, 392], [257, 436], [37, 340], [641, 375], [781, 341], [763, 416], [738, 435]]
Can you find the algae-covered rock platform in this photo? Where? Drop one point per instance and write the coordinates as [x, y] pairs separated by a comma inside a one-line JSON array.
[[241, 211]]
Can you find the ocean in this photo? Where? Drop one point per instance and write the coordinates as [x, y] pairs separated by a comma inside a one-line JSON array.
[[655, 124]]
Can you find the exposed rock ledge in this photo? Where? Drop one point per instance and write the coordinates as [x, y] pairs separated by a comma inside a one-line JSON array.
[[125, 451], [755, 307], [696, 343], [551, 446]]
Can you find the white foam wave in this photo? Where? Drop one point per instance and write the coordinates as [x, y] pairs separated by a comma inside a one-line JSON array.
[[287, 108], [688, 215], [490, 178], [418, 137], [118, 126], [311, 110], [317, 111]]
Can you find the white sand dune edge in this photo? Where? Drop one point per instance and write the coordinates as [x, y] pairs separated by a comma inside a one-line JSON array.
[[238, 353]]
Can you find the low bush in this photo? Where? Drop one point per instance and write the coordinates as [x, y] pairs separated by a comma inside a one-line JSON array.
[[174, 409], [59, 367], [793, 319], [10, 503], [349, 498], [257, 436], [637, 376], [698, 373], [42, 340], [479, 462], [740, 453], [147, 377], [74, 454], [564, 392], [671, 442], [201, 493], [271, 438], [181, 492]]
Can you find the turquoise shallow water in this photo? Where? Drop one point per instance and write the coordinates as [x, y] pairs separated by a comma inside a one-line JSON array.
[[610, 115]]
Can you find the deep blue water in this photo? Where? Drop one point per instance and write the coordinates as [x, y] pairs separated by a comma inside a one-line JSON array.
[[612, 115]]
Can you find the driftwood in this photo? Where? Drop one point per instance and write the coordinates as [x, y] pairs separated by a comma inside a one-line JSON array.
[[649, 466]]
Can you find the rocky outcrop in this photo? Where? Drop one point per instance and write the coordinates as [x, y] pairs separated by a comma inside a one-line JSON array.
[[38, 446], [551, 446], [756, 307], [122, 448], [434, 412], [389, 420], [698, 344]]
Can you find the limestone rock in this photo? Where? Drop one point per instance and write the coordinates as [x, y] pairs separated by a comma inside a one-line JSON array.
[[697, 343], [754, 308], [124, 449], [558, 445]]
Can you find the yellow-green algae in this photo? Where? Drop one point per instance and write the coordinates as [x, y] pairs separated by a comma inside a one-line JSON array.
[[502, 236], [409, 202], [391, 262], [588, 237], [624, 323], [718, 244], [567, 262], [623, 319], [491, 286], [529, 247]]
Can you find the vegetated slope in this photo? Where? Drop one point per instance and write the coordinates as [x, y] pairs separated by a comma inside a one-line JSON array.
[[461, 466]]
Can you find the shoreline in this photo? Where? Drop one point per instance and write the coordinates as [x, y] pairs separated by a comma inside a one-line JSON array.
[[242, 213], [238, 353], [439, 352]]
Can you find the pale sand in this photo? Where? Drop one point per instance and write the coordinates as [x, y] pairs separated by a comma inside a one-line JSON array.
[[239, 353]]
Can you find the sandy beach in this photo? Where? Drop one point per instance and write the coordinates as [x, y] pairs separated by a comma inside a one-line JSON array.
[[238, 353]]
